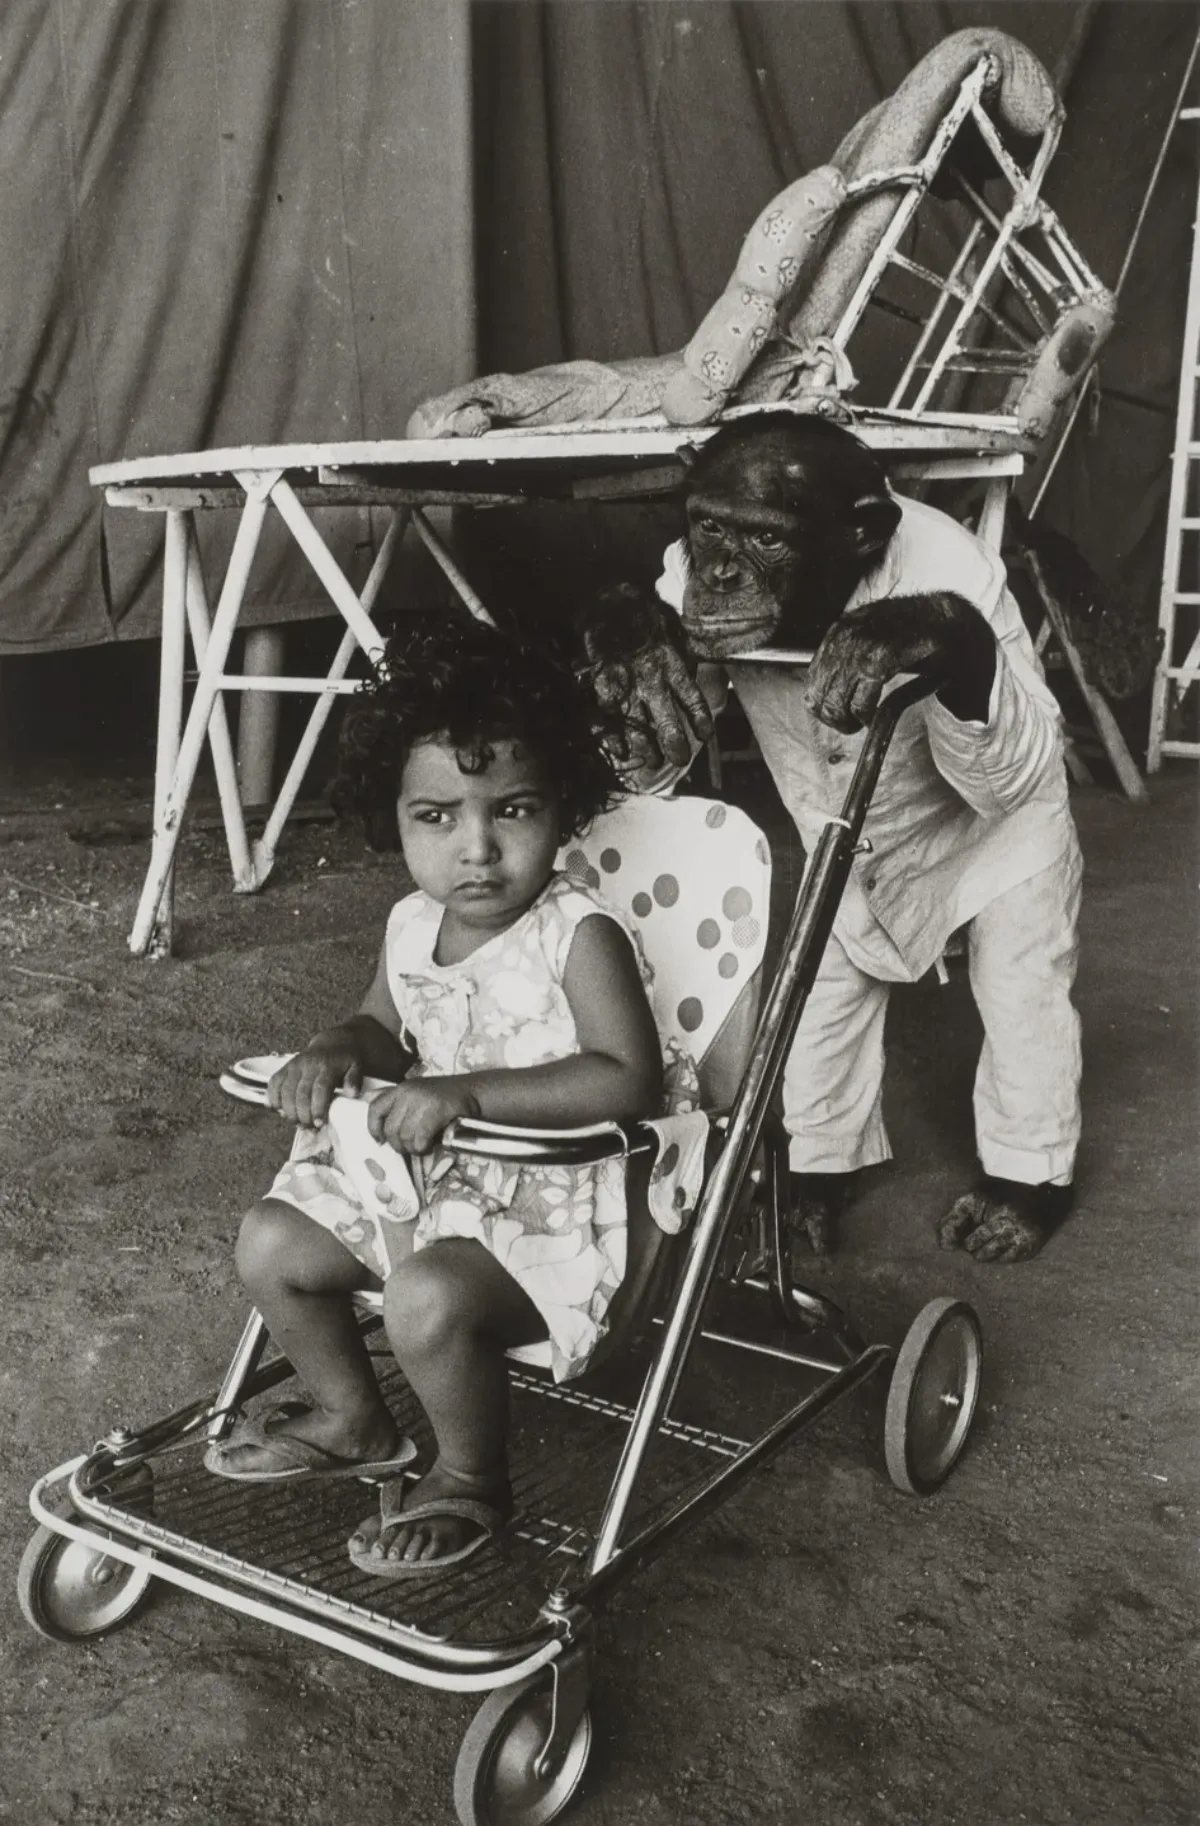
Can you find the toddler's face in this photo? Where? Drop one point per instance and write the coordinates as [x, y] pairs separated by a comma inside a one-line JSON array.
[[483, 845]]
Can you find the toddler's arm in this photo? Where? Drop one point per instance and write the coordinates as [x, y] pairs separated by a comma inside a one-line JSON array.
[[366, 1045], [617, 1071]]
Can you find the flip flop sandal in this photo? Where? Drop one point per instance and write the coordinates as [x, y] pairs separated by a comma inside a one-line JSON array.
[[297, 1460], [489, 1518]]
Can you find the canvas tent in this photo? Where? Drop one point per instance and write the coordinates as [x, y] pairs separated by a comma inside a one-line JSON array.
[[294, 220]]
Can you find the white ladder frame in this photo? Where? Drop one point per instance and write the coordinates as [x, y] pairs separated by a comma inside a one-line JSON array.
[[1172, 680]]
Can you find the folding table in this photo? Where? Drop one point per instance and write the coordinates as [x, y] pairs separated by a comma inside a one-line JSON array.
[[589, 463]]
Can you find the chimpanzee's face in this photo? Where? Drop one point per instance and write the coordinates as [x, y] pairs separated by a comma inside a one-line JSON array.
[[784, 518], [746, 560]]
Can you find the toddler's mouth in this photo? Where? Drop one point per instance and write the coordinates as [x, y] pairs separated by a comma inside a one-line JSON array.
[[478, 889]]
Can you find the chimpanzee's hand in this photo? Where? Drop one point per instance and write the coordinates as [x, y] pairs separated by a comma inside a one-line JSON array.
[[411, 1116], [641, 669], [938, 637]]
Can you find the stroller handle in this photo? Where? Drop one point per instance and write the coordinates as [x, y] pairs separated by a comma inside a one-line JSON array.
[[811, 921], [880, 731]]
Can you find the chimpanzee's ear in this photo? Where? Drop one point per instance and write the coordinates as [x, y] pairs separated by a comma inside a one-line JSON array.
[[874, 520]]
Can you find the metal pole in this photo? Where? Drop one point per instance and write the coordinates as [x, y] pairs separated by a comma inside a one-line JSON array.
[[219, 739], [1184, 452], [650, 1542], [437, 550], [170, 708], [251, 1345], [258, 722], [1134, 238], [990, 529], [264, 849], [169, 824], [812, 919], [327, 567]]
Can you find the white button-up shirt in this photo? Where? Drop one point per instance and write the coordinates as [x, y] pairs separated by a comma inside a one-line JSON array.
[[963, 811]]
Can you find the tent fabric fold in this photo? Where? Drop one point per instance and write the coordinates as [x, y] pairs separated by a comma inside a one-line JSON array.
[[236, 225], [284, 223]]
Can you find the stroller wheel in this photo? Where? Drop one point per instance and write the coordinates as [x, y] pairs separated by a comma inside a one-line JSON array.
[[496, 1779], [70, 1591], [931, 1400]]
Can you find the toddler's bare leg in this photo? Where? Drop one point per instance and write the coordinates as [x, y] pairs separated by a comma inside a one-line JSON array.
[[300, 1277], [451, 1312]]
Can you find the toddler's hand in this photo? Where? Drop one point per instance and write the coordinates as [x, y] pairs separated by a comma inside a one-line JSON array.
[[411, 1117], [302, 1090]]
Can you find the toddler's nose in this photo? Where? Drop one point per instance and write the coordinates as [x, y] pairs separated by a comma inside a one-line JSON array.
[[479, 841]]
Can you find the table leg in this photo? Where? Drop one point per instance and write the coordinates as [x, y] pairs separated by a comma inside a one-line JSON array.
[[1077, 767], [224, 765], [264, 850], [170, 710], [170, 814], [992, 514], [330, 572], [438, 551]]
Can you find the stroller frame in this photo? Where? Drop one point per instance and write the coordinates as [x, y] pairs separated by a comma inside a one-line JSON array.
[[529, 1742]]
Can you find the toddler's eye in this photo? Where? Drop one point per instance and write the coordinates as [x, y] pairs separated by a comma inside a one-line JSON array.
[[518, 811], [432, 816]]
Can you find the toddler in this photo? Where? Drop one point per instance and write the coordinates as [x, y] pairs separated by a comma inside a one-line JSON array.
[[502, 991]]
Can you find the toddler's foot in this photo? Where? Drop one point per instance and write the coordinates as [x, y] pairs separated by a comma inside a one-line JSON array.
[[441, 1519], [1001, 1220], [294, 1439]]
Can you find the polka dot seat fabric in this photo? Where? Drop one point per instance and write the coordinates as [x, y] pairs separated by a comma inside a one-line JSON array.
[[693, 876]]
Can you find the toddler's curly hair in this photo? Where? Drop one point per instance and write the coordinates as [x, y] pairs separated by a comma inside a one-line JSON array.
[[445, 678]]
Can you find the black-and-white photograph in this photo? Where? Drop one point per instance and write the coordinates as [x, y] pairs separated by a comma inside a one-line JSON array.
[[599, 845]]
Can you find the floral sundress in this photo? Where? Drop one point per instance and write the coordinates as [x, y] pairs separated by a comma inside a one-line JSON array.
[[559, 1231]]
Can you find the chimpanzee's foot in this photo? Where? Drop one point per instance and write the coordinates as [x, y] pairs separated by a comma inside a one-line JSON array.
[[1001, 1220], [816, 1201]]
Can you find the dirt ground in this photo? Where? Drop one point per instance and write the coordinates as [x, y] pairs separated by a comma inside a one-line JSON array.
[[1012, 1650]]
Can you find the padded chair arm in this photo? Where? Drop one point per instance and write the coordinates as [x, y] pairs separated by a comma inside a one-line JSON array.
[[579, 1147]]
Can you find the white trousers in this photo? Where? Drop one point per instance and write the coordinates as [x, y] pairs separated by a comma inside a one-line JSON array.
[[1023, 952]]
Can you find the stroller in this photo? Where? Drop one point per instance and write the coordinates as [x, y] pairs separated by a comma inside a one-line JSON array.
[[609, 1470]]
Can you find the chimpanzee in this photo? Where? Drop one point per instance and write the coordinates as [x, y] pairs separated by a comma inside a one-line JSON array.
[[795, 540]]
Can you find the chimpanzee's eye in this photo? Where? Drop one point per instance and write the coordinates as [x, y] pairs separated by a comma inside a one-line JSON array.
[[708, 525], [768, 542]]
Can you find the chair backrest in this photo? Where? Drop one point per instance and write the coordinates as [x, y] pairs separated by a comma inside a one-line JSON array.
[[693, 877]]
